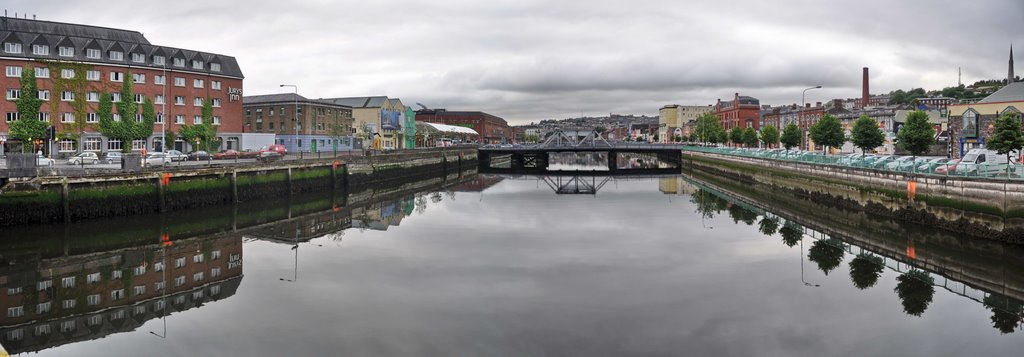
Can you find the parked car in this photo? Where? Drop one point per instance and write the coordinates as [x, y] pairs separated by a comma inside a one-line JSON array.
[[87, 157], [43, 160], [269, 156], [948, 167], [226, 154], [156, 159], [248, 154], [280, 149], [198, 156], [880, 162], [112, 157], [175, 155], [895, 164], [930, 165]]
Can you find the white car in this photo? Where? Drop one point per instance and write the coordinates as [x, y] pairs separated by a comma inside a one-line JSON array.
[[156, 158], [43, 160], [85, 157], [175, 155]]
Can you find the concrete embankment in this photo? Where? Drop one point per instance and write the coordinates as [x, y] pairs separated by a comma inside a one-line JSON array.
[[64, 199], [969, 206]]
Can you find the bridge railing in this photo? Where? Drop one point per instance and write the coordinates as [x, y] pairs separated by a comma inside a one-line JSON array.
[[921, 165]]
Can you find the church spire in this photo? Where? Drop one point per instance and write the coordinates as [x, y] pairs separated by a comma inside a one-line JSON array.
[[1009, 74]]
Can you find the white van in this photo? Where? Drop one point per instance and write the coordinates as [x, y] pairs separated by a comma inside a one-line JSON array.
[[983, 162]]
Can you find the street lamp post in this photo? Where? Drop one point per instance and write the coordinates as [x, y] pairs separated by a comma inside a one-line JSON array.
[[163, 110], [295, 115], [803, 103]]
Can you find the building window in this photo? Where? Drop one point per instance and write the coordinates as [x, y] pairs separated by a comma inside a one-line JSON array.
[[140, 309], [215, 255], [95, 320], [215, 85], [138, 58], [13, 94], [43, 94], [216, 102], [45, 284], [139, 78], [117, 294], [92, 117], [179, 62], [67, 282], [197, 83], [17, 311], [159, 286], [159, 60], [180, 262], [198, 119], [66, 145], [92, 75], [215, 67], [197, 276], [15, 334], [197, 295], [92, 278], [67, 326], [215, 290], [139, 270], [158, 99], [11, 47], [40, 50], [159, 80], [179, 81], [198, 258], [138, 145], [93, 53], [158, 305], [42, 72], [92, 144], [13, 71], [67, 117], [69, 303], [116, 76], [158, 266], [216, 120], [178, 300], [179, 119], [214, 273], [179, 281], [114, 145], [14, 291], [159, 119], [115, 97], [93, 300], [43, 308], [116, 55], [198, 102], [140, 98], [179, 100], [197, 64], [67, 96], [117, 315], [67, 73], [43, 329], [66, 51], [139, 290]]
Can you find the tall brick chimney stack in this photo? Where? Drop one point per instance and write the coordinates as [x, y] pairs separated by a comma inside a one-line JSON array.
[[865, 96]]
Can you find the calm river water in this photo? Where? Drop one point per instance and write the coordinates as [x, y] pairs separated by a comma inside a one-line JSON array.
[[505, 266]]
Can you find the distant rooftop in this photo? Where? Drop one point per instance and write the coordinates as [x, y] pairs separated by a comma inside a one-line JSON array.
[[1010, 93]]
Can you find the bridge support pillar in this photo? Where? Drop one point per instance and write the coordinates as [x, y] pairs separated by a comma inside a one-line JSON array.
[[517, 161], [613, 161], [483, 159]]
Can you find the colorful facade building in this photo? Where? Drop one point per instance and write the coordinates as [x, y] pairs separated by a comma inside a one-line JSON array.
[[677, 120], [376, 119], [741, 112], [75, 64]]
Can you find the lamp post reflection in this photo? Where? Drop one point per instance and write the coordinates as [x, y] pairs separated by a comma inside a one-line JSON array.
[[802, 265], [295, 247], [165, 241]]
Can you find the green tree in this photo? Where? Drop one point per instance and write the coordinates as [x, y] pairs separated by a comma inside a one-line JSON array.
[[791, 136], [865, 270], [828, 132], [866, 134], [916, 135], [768, 226], [827, 253], [915, 291], [127, 129], [28, 126], [169, 138], [770, 135], [750, 137], [1007, 138], [210, 139], [736, 136]]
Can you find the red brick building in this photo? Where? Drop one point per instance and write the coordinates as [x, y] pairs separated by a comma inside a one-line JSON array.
[[73, 62], [742, 111], [492, 129]]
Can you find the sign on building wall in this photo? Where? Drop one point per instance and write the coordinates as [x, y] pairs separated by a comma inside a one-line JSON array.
[[390, 120], [234, 94]]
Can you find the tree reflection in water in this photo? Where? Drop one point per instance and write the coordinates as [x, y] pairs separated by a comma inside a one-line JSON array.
[[865, 270], [741, 214], [707, 203], [792, 233], [916, 291], [769, 226], [1006, 312], [828, 253]]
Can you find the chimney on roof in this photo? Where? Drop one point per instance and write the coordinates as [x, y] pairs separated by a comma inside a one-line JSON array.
[[837, 103], [817, 104], [865, 96], [807, 105]]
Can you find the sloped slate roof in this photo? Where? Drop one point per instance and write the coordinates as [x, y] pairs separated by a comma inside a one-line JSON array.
[[1010, 93], [359, 102], [273, 98], [55, 34]]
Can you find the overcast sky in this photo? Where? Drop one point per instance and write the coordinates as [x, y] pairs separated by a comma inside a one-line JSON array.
[[527, 60]]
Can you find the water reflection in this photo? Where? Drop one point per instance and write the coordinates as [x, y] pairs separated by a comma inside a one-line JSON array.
[[955, 263]]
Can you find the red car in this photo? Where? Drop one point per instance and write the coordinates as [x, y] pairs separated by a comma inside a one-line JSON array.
[[948, 167], [227, 154], [275, 148]]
